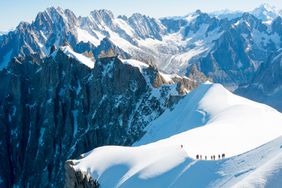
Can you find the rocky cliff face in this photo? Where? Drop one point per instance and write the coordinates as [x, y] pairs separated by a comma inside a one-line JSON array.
[[78, 179], [56, 108]]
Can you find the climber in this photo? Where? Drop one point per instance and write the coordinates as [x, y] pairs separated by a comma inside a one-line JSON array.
[[223, 156]]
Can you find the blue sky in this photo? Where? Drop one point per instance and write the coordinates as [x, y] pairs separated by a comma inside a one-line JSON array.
[[14, 11]]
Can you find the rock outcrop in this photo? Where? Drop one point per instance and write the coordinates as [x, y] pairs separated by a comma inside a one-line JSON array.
[[78, 179], [56, 108]]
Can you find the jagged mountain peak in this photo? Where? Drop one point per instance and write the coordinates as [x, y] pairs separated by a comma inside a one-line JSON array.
[[146, 27], [55, 15], [197, 13], [267, 7], [250, 21], [51, 13], [22, 25], [52, 10], [141, 18], [266, 12], [102, 14], [249, 18], [137, 15]]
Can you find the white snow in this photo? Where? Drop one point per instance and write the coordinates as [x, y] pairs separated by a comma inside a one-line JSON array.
[[124, 26], [135, 63], [167, 77], [191, 17], [85, 36], [208, 121], [79, 57]]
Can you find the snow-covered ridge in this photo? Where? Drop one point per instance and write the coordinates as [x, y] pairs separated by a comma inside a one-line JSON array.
[[170, 167], [208, 121], [168, 78], [213, 113], [135, 63], [89, 62]]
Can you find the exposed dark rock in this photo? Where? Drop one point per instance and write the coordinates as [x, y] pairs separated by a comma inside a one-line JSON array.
[[78, 179], [57, 108]]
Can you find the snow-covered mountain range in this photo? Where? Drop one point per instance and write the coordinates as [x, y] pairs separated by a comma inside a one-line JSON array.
[[229, 51], [70, 84], [264, 12], [208, 121]]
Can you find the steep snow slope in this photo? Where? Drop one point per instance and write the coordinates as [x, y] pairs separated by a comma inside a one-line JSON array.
[[222, 122], [79, 57], [226, 117]]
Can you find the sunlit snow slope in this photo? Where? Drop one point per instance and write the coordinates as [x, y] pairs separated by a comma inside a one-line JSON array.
[[208, 121]]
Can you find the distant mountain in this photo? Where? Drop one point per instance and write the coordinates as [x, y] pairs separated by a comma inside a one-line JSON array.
[[5, 32], [266, 86], [206, 122], [175, 44], [226, 14], [266, 13]]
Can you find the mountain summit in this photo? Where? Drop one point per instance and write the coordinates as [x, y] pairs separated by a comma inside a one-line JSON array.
[[266, 12]]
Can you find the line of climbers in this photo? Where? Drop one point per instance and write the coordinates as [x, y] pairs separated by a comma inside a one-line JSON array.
[[213, 157]]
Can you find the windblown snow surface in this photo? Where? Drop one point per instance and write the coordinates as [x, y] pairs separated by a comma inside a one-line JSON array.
[[208, 121]]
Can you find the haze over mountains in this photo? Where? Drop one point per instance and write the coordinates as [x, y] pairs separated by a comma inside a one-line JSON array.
[[70, 84]]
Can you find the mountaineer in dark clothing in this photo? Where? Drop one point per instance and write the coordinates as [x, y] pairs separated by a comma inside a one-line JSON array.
[[223, 156]]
